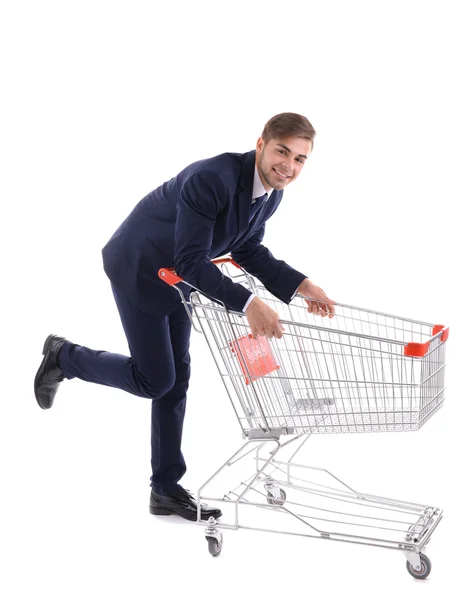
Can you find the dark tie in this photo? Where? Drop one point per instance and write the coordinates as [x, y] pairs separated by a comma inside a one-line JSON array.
[[256, 206]]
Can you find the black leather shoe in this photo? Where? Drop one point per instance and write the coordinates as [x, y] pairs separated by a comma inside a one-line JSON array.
[[180, 503], [49, 375]]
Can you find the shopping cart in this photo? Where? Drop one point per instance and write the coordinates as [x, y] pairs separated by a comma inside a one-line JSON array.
[[359, 371]]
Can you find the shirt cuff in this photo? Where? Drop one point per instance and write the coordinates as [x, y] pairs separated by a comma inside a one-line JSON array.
[[248, 302], [296, 291]]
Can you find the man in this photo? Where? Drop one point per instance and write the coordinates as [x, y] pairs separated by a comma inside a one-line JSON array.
[[213, 207]]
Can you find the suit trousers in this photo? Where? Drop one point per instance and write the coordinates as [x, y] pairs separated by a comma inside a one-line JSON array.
[[158, 368]]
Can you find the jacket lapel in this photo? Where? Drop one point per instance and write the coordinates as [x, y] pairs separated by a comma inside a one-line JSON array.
[[243, 203], [246, 184]]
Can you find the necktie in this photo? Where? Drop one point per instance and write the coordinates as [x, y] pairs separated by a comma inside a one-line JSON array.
[[256, 206]]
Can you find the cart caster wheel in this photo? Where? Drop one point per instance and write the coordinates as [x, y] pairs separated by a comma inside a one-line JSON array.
[[277, 501], [214, 548], [425, 568]]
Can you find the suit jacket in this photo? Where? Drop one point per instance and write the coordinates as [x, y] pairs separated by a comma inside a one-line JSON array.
[[200, 214]]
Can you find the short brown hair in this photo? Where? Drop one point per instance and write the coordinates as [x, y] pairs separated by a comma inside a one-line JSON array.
[[288, 124]]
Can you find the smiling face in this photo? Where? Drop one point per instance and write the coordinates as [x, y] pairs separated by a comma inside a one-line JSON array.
[[280, 160]]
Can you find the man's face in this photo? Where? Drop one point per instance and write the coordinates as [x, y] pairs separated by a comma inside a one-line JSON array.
[[279, 161]]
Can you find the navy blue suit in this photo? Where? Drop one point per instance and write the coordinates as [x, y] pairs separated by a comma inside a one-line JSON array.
[[200, 214]]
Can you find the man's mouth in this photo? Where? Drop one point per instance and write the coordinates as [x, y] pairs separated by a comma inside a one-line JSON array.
[[281, 174]]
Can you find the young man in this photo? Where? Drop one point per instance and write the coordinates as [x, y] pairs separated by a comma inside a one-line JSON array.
[[213, 207]]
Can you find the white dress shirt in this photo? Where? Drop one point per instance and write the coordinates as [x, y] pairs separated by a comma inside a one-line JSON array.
[[258, 188]]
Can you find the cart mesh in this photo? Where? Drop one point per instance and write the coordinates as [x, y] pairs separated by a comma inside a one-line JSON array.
[[341, 375]]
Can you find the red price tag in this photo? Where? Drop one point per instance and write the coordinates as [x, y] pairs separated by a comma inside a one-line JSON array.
[[254, 356]]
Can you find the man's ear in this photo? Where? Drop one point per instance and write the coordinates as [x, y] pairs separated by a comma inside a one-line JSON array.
[[259, 144]]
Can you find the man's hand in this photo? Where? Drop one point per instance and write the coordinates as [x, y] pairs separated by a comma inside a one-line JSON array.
[[263, 320], [318, 302]]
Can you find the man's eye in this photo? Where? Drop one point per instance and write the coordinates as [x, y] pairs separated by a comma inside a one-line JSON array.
[[300, 160]]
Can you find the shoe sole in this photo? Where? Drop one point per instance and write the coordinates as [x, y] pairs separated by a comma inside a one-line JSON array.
[[159, 511], [45, 350], [166, 511]]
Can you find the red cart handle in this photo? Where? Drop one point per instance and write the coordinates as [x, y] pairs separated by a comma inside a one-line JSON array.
[[169, 276], [420, 349]]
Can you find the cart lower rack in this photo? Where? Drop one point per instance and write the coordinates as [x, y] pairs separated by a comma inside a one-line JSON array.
[[360, 371]]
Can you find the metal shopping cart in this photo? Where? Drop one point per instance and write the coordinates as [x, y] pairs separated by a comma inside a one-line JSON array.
[[360, 371]]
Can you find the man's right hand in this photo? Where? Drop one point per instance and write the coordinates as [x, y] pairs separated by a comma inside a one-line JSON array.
[[263, 320]]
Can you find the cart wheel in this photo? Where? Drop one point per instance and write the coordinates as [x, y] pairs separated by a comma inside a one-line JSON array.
[[214, 548], [425, 568], [277, 501]]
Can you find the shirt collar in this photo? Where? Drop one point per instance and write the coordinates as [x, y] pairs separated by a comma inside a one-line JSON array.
[[258, 189]]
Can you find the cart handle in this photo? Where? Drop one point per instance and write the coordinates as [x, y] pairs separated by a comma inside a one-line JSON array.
[[420, 349], [170, 277]]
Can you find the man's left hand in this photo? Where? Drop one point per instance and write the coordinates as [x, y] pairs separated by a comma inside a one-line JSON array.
[[318, 302]]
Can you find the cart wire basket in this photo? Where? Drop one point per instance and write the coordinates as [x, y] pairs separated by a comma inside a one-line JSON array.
[[358, 371]]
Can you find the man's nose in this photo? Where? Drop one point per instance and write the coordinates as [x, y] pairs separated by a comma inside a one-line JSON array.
[[288, 164]]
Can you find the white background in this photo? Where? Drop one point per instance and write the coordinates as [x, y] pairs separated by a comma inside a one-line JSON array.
[[101, 103]]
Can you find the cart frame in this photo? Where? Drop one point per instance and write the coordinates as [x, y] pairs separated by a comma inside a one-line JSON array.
[[377, 373]]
